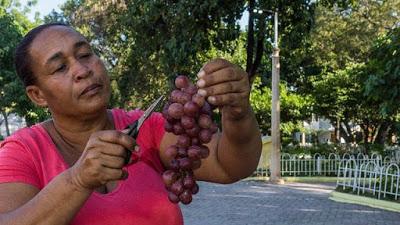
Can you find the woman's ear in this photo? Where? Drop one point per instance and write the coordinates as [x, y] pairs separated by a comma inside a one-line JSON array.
[[36, 95]]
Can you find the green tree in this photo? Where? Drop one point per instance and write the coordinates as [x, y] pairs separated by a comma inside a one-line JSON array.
[[152, 41], [384, 72], [347, 36], [341, 45], [340, 97], [13, 24], [294, 108]]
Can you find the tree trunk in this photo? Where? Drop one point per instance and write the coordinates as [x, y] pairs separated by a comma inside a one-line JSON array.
[[365, 128], [5, 115], [337, 131], [344, 133], [259, 47], [390, 135], [382, 133], [250, 37], [349, 132], [253, 60]]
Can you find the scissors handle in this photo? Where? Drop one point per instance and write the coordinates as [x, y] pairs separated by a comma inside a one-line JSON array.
[[133, 132]]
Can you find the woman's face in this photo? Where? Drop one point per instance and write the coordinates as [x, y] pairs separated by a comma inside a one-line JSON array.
[[70, 79]]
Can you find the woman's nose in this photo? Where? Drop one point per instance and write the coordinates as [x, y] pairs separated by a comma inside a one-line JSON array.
[[81, 71]]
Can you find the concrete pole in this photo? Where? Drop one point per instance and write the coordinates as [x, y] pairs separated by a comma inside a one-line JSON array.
[[275, 114]]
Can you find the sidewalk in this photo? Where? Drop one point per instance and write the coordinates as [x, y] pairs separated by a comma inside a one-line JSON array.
[[252, 202]]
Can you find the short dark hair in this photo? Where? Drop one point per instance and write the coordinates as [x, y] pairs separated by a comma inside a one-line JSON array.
[[22, 60]]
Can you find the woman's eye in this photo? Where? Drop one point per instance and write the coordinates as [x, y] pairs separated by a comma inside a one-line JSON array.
[[85, 55], [61, 68]]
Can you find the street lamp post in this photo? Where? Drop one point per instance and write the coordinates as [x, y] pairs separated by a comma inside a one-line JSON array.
[[275, 113]]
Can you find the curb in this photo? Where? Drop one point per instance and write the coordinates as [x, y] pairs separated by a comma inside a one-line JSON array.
[[299, 179], [361, 200]]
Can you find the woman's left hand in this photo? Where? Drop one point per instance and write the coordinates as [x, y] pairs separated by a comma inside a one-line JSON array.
[[226, 86]]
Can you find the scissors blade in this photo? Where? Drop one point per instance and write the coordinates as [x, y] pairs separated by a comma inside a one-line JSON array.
[[148, 111]]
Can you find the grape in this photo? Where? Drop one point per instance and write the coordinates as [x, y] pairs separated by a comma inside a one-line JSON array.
[[198, 99], [188, 122], [196, 164], [205, 121], [175, 95], [186, 197], [204, 151], [189, 116], [173, 197], [195, 141], [177, 187], [178, 129], [176, 110], [184, 97], [178, 96], [194, 152], [169, 177], [188, 182], [182, 152], [205, 135], [185, 163], [171, 151], [174, 164], [181, 81], [206, 109], [168, 127], [184, 140], [191, 90], [190, 108], [165, 110], [171, 119], [195, 189], [194, 132]]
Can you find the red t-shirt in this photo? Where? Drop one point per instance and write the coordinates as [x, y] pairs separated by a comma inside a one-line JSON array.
[[30, 156]]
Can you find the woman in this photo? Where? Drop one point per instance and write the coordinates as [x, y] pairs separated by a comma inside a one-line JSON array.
[[71, 170]]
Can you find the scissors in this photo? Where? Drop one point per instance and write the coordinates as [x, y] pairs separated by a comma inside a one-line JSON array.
[[133, 129]]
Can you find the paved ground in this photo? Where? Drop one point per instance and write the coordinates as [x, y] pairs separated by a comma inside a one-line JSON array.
[[254, 202]]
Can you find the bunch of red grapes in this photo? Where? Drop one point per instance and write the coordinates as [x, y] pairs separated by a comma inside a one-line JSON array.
[[189, 116]]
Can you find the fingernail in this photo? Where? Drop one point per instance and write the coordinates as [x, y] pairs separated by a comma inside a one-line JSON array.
[[211, 99], [201, 83], [202, 92], [201, 74]]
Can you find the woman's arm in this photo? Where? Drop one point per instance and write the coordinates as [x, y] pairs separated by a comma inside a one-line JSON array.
[[58, 202], [235, 152]]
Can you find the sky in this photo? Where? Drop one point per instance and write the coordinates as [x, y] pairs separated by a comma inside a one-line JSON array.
[[44, 7]]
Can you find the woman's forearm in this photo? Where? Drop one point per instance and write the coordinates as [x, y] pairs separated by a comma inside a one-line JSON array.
[[239, 147], [57, 203]]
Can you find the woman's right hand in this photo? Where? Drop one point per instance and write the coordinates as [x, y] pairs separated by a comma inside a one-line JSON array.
[[102, 160]]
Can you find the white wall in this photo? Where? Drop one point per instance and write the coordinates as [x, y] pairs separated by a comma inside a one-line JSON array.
[[14, 123]]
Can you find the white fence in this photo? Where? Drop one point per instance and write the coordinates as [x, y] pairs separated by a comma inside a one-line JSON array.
[[377, 180], [320, 165], [360, 174]]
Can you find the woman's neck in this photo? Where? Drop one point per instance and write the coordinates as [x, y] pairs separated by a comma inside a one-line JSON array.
[[76, 131]]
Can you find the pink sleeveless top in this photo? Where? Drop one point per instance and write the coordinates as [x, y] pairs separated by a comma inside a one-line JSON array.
[[29, 156]]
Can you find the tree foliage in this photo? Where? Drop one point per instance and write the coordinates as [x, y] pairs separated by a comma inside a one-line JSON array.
[[294, 107], [384, 72], [13, 24], [342, 41]]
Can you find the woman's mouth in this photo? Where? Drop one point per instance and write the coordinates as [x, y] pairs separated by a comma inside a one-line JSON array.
[[91, 89]]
